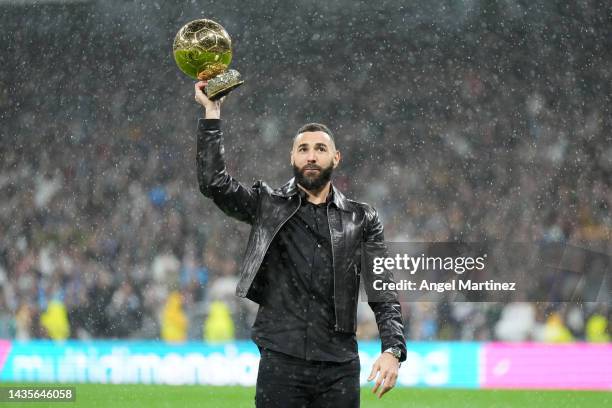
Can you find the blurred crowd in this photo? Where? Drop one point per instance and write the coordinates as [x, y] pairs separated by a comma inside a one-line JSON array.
[[492, 125]]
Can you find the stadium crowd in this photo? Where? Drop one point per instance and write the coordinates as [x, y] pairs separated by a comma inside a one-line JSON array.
[[495, 125]]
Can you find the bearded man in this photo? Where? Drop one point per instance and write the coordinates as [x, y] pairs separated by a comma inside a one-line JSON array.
[[302, 266]]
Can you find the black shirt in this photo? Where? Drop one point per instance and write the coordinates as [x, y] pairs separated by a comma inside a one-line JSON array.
[[296, 316]]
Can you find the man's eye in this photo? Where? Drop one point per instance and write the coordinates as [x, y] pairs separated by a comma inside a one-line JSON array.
[[322, 149]]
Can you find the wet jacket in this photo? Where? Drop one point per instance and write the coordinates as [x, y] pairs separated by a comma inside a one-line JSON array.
[[267, 209]]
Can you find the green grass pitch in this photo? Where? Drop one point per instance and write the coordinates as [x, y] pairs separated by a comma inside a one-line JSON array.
[[158, 396]]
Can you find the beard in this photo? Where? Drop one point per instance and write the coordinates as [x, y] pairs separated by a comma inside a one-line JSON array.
[[316, 181]]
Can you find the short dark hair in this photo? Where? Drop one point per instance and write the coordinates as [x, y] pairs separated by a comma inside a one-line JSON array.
[[315, 127]]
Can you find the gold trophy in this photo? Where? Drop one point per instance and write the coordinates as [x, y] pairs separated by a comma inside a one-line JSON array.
[[203, 50]]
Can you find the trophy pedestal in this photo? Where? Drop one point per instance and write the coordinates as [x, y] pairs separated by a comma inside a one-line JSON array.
[[223, 84]]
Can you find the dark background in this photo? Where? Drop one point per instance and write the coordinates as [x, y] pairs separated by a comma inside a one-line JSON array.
[[458, 120]]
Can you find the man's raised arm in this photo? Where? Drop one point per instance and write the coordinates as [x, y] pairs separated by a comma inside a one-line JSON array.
[[235, 199]]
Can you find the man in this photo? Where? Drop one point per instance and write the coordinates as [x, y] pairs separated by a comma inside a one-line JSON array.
[[302, 266]]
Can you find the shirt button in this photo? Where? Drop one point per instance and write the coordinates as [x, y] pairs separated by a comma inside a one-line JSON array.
[[318, 245]]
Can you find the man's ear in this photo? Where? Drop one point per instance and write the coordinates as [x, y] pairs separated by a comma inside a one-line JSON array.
[[337, 158]]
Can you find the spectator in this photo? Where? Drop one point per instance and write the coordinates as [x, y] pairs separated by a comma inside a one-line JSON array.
[[596, 329], [218, 326], [174, 321], [55, 321], [555, 330]]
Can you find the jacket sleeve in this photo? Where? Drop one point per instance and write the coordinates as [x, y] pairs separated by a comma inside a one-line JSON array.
[[387, 310], [232, 197]]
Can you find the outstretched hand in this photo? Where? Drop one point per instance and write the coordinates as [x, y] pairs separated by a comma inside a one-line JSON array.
[[386, 367], [213, 108]]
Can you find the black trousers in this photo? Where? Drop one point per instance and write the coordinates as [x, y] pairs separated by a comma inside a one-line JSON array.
[[289, 382]]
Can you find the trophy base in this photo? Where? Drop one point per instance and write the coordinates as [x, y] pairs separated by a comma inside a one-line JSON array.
[[223, 84]]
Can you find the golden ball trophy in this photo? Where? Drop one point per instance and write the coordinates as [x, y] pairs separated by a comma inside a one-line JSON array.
[[203, 50]]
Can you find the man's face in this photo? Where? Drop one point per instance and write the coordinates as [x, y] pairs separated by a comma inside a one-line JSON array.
[[313, 157]]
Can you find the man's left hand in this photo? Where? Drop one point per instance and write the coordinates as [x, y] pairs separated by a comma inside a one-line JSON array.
[[386, 367]]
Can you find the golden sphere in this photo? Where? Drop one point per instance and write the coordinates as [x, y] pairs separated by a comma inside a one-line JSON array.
[[202, 49]]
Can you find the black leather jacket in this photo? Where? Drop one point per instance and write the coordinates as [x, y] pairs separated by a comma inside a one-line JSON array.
[[267, 209]]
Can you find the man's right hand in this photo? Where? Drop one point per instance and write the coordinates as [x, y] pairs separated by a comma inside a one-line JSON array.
[[213, 108]]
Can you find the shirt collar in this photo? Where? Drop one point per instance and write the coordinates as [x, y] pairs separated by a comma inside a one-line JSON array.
[[328, 199], [290, 188]]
